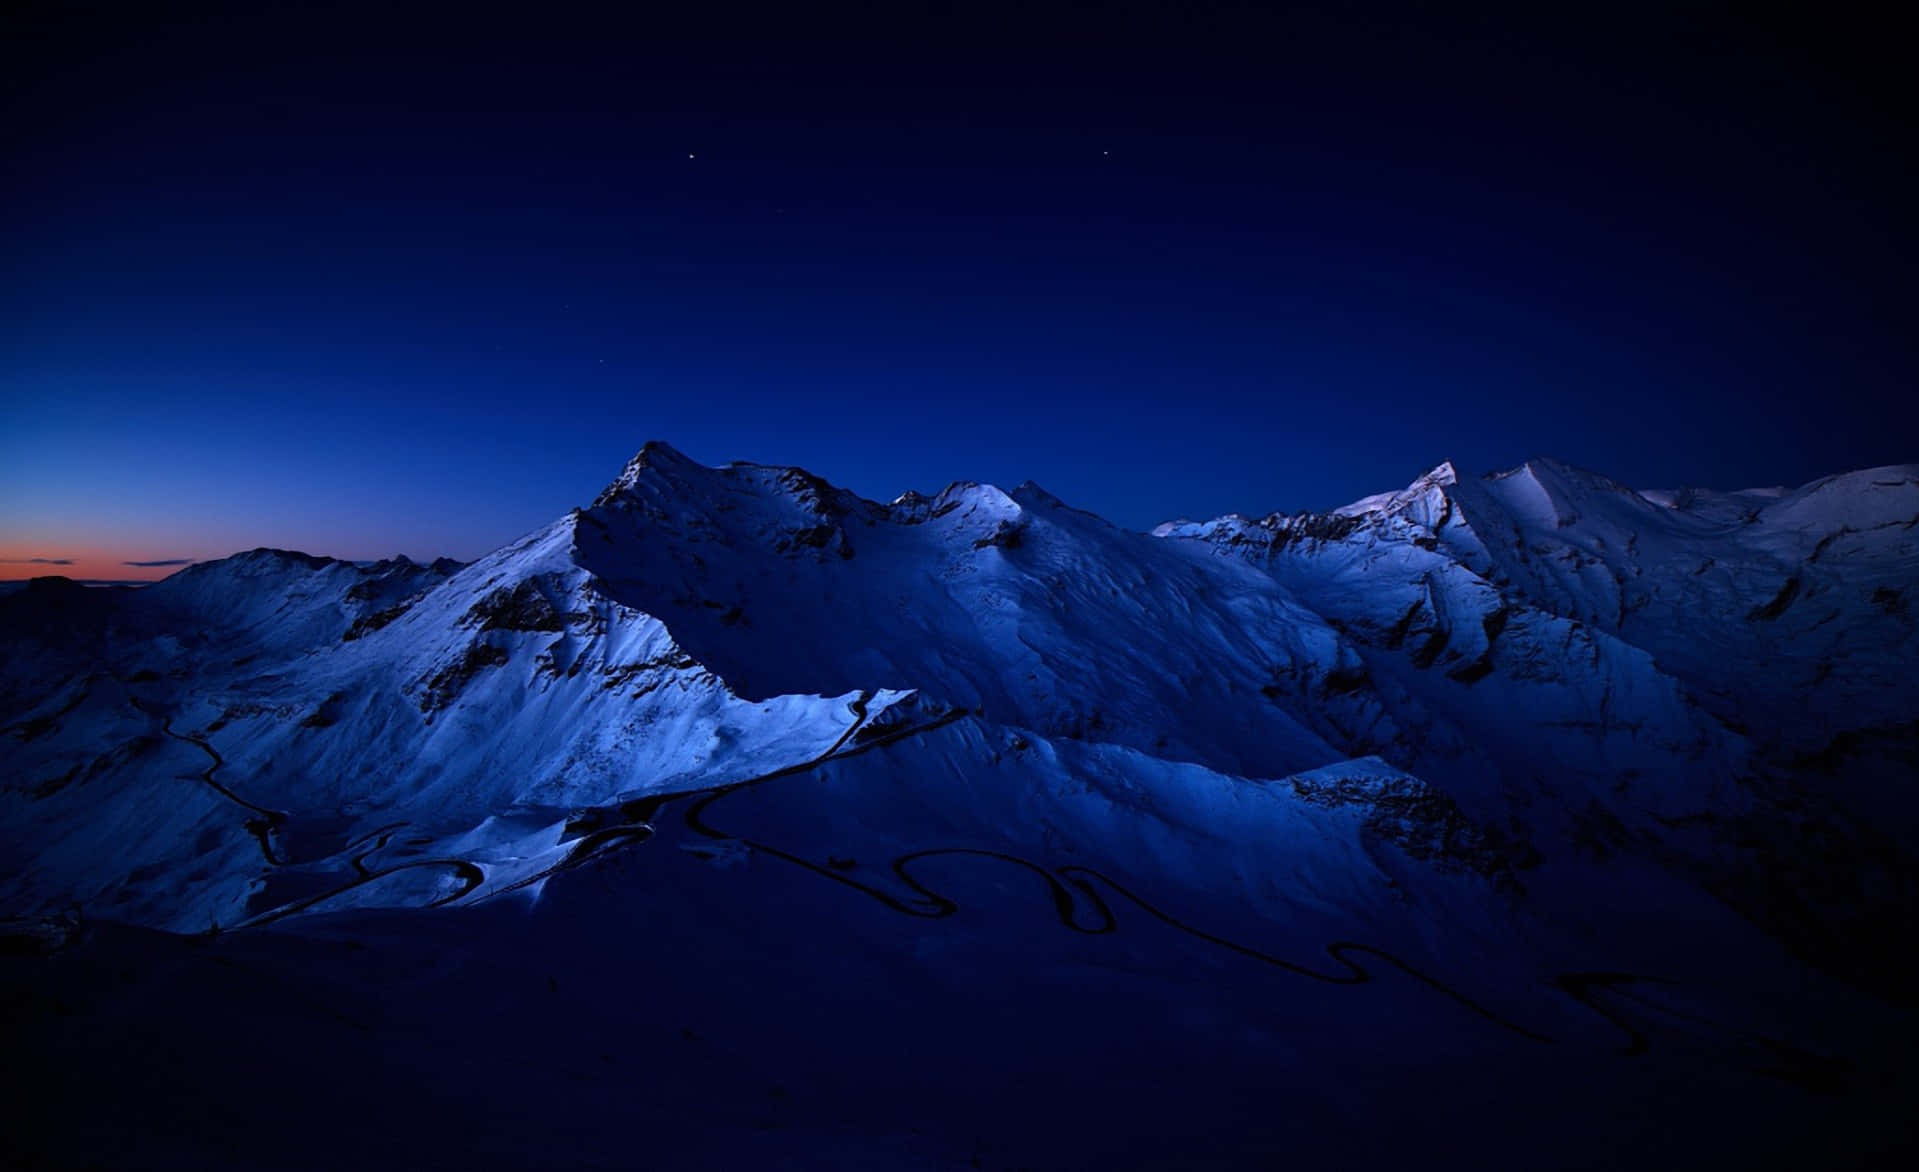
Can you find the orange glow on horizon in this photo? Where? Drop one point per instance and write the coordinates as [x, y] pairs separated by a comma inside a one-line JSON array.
[[19, 562]]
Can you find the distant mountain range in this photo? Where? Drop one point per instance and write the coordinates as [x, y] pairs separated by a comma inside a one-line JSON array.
[[956, 818]]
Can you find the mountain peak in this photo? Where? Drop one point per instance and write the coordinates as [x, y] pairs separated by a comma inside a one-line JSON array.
[[654, 456], [659, 454], [1029, 493]]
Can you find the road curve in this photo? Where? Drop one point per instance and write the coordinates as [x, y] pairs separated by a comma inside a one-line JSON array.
[[471, 876], [266, 821]]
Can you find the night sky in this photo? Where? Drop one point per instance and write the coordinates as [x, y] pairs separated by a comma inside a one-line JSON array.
[[358, 283]]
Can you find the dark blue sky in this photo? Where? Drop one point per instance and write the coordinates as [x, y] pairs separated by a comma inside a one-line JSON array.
[[365, 283]]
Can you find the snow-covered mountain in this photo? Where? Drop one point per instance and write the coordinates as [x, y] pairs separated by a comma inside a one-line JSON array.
[[1549, 765]]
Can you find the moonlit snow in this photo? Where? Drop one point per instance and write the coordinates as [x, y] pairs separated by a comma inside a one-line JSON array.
[[737, 821]]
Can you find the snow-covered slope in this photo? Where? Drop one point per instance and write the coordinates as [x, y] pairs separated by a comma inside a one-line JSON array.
[[1494, 745], [1717, 680]]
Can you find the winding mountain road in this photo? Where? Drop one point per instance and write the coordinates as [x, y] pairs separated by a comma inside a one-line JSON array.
[[260, 827], [1588, 989], [1074, 890], [470, 874]]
